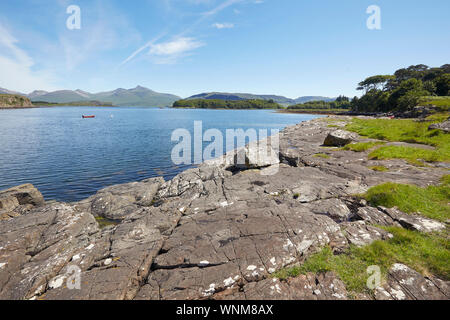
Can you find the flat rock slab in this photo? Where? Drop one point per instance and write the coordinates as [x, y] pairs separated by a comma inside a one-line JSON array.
[[406, 284]]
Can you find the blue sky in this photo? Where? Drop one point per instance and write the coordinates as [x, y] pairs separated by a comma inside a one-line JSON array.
[[286, 47]]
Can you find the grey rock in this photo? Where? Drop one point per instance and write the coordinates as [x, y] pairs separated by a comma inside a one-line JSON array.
[[413, 222], [256, 155], [334, 208], [360, 234], [404, 283], [443, 126], [119, 201], [325, 286], [339, 138], [374, 216], [25, 194]]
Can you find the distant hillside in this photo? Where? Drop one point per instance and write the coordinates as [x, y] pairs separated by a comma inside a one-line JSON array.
[[88, 103], [6, 91], [313, 98], [138, 96], [12, 101], [247, 96]]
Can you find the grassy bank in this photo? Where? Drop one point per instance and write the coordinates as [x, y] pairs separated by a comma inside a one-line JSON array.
[[432, 202], [426, 253], [410, 131]]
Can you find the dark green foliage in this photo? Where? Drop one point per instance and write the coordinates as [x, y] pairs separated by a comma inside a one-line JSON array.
[[443, 85], [226, 104], [403, 90], [341, 103]]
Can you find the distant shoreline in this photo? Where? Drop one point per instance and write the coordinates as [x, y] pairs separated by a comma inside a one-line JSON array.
[[312, 111]]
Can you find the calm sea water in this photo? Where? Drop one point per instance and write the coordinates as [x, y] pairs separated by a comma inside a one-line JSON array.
[[69, 158]]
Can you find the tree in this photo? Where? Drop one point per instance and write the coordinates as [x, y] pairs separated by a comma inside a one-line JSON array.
[[443, 85], [373, 101], [407, 95], [375, 82]]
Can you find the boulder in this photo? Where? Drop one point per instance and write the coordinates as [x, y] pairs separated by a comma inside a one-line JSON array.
[[339, 138], [25, 194], [255, 156], [119, 201], [443, 126]]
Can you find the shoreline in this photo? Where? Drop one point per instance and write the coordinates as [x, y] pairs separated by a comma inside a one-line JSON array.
[[213, 232]]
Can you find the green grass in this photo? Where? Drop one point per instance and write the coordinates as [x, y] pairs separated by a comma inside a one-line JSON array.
[[322, 155], [103, 222], [425, 253], [362, 146], [406, 131], [411, 154], [432, 202], [442, 102], [379, 168]]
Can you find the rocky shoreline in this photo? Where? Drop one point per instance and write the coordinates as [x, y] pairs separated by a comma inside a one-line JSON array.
[[216, 231]]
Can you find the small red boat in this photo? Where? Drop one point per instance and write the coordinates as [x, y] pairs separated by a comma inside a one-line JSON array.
[[88, 117]]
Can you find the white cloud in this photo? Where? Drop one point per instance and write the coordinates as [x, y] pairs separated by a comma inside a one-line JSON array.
[[187, 44], [170, 51], [16, 66], [225, 25]]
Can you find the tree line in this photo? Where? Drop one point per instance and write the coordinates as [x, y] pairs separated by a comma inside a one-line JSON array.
[[226, 104], [341, 103]]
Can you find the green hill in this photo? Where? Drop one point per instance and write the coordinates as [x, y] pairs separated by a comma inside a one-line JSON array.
[[138, 96]]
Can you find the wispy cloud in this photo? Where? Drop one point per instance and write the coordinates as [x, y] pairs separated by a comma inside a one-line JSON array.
[[16, 66], [170, 51], [175, 47], [171, 58], [145, 46], [102, 35], [225, 25]]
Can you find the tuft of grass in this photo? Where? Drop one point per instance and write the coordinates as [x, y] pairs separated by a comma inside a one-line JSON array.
[[406, 131], [379, 168], [322, 155], [425, 253], [412, 155], [362, 146], [103, 222], [432, 201]]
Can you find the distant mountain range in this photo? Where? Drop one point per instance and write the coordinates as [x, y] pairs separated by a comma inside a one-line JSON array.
[[245, 96], [141, 96], [138, 96]]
